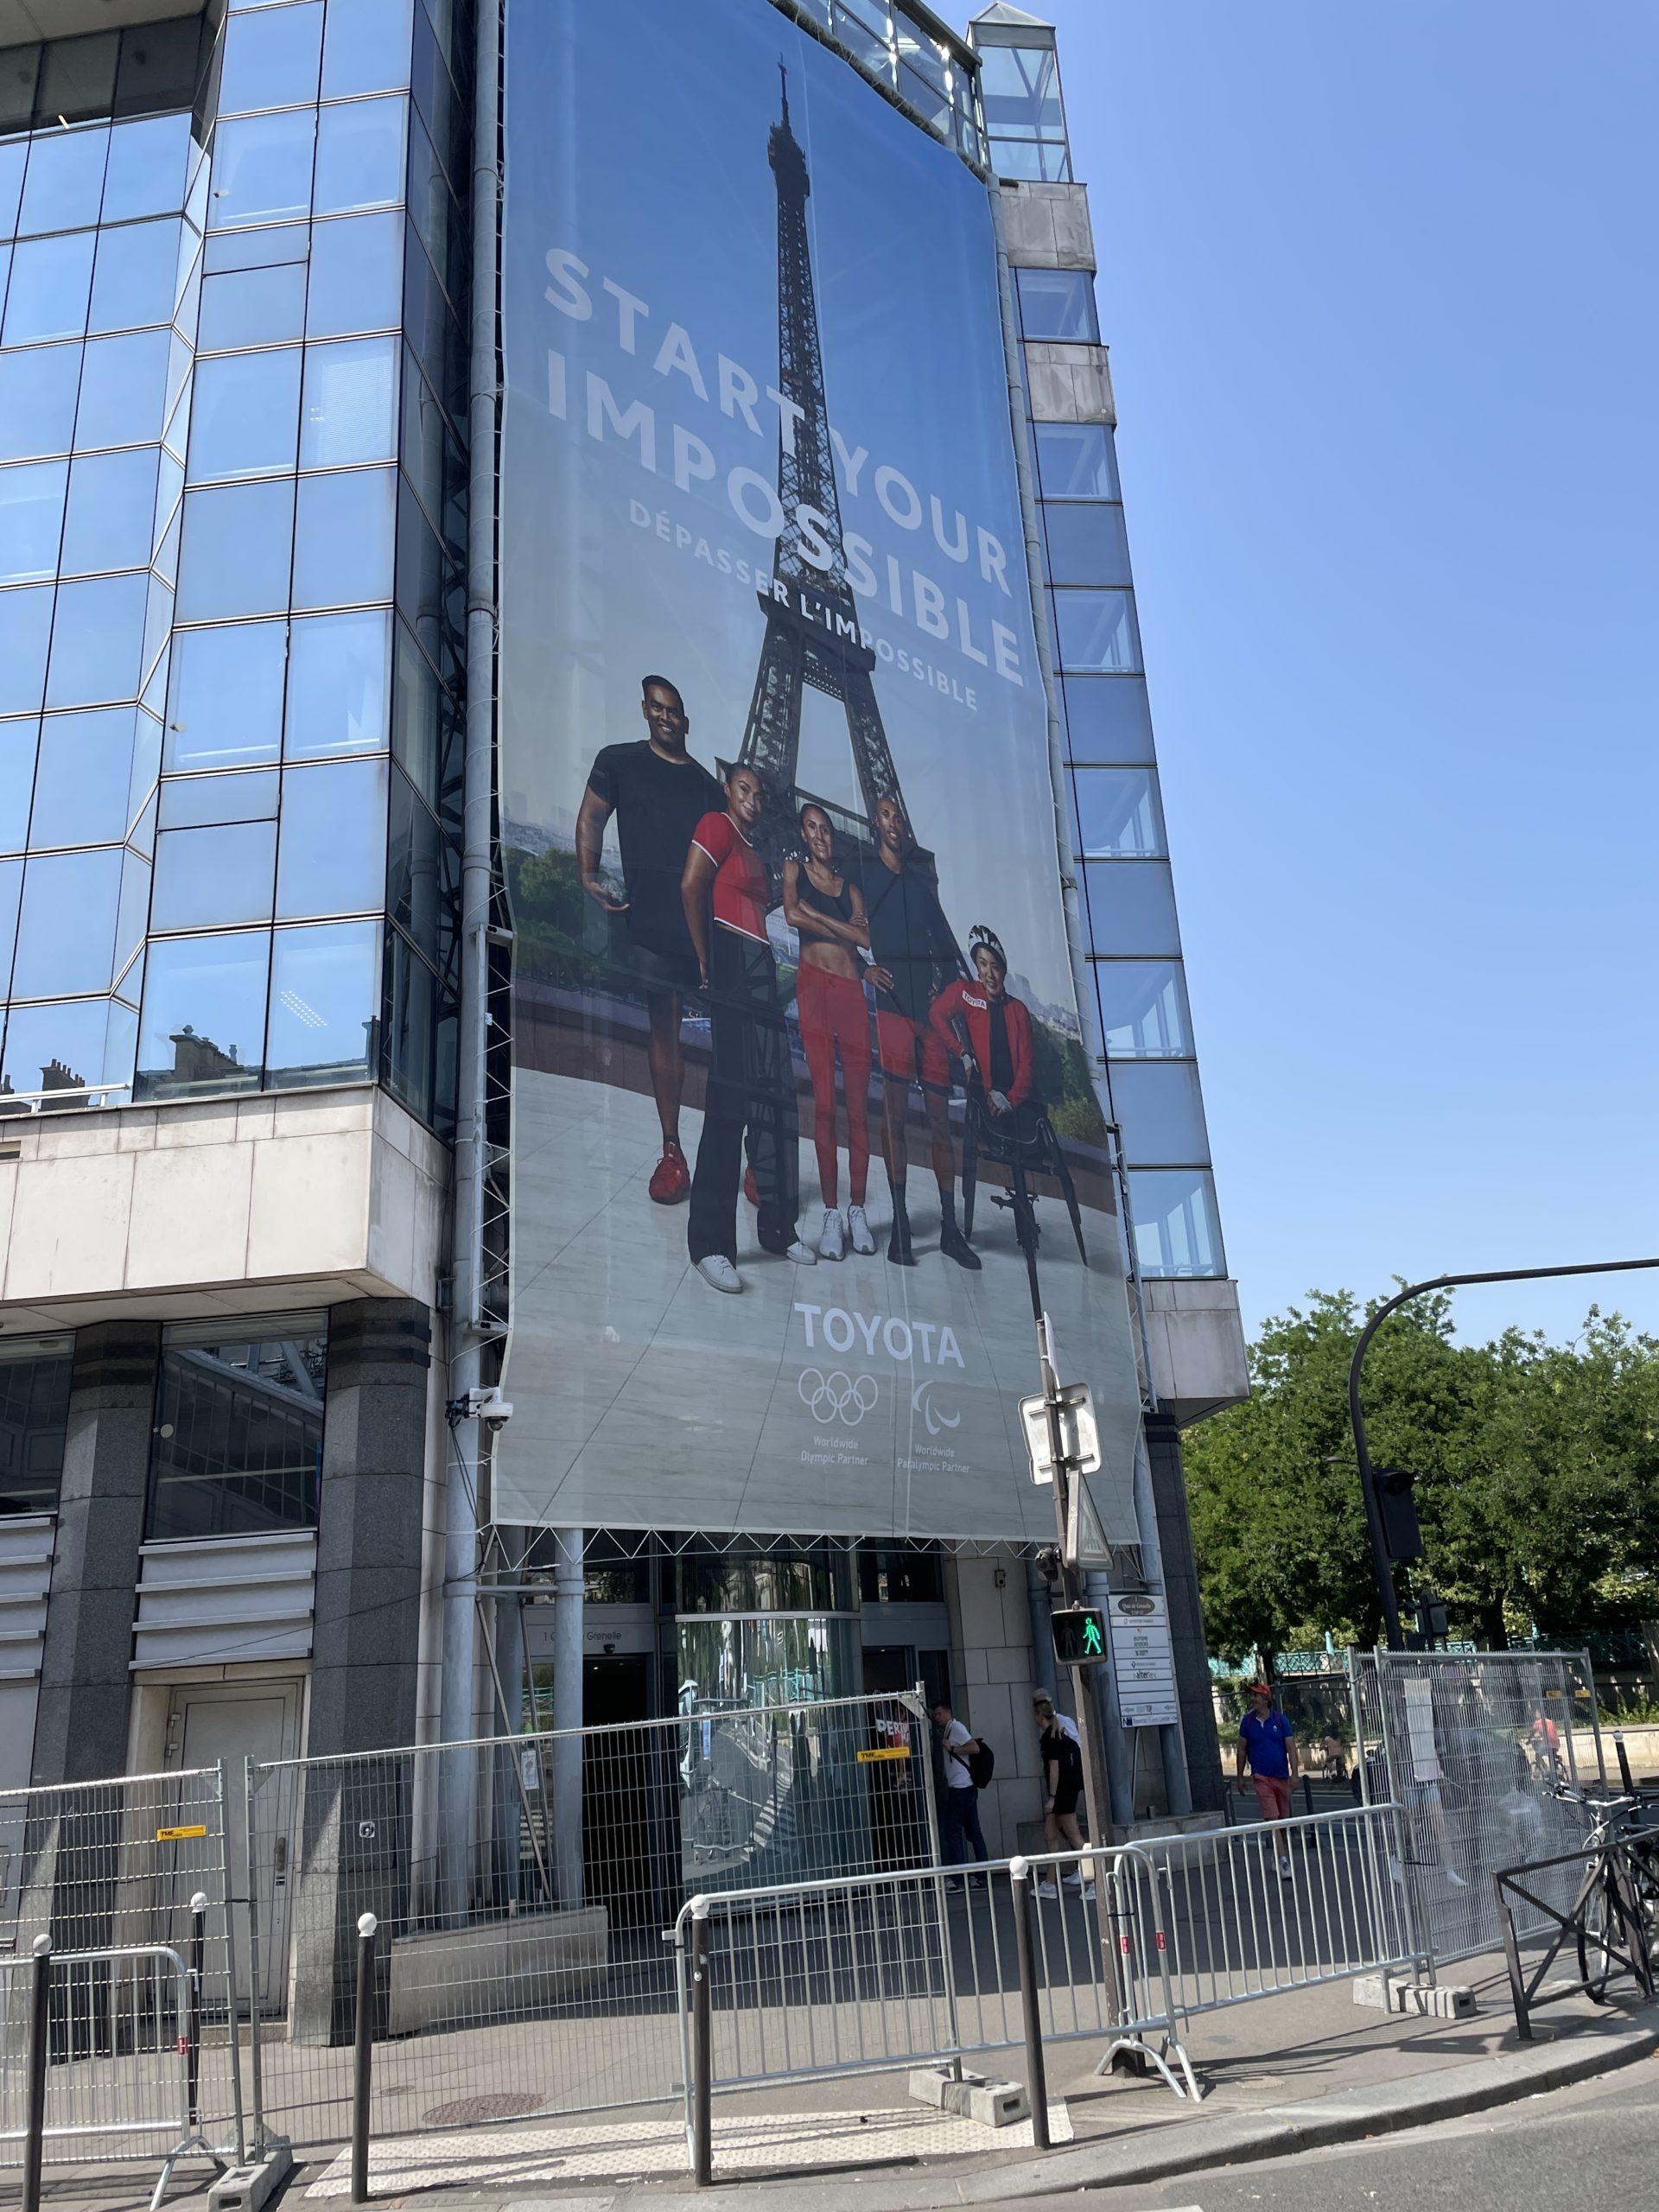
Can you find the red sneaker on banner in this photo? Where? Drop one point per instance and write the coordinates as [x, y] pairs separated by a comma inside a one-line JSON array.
[[751, 1188], [671, 1179]]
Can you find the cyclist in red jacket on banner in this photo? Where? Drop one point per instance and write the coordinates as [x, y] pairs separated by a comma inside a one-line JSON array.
[[990, 1031]]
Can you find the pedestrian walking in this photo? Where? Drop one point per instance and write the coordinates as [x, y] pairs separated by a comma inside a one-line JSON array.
[[1061, 1750], [960, 1833], [1267, 1743]]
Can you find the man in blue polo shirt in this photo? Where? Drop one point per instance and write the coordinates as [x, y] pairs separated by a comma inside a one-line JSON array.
[[1268, 1742]]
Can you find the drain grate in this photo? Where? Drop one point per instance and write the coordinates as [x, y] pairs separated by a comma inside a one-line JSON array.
[[502, 2104]]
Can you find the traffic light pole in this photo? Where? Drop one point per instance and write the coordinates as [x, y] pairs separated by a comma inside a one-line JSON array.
[[1382, 1565]]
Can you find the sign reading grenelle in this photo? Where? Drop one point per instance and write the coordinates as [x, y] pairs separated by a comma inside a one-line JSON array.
[[791, 986]]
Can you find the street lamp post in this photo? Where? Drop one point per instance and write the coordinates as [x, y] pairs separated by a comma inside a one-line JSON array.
[[1381, 1563]]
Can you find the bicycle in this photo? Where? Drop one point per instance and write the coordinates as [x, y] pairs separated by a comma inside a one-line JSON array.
[[1616, 1904]]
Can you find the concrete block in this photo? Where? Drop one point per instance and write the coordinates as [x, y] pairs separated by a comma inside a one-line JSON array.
[[1381, 1991], [451, 1976], [1438, 2001], [975, 2096], [244, 2189]]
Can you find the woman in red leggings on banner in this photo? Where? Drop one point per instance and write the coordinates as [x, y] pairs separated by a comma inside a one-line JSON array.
[[826, 912]]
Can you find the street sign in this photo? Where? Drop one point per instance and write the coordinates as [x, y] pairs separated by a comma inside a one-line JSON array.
[[1079, 1435], [1143, 1660], [1080, 1636]]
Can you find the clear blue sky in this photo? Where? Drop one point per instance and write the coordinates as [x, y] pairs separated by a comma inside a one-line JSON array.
[[1378, 287]]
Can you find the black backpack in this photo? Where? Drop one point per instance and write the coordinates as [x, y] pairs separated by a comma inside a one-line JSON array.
[[980, 1764]]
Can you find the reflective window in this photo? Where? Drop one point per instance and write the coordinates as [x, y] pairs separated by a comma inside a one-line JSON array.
[[244, 416], [148, 165], [134, 277], [208, 879], [367, 48], [409, 1017], [1096, 629], [63, 186], [1118, 813], [98, 640], [1076, 461], [225, 707], [69, 1046], [1086, 544], [25, 628], [251, 307], [323, 1002], [1177, 1230], [65, 933], [193, 802], [18, 743], [262, 168], [359, 155], [343, 538], [123, 390], [11, 887], [271, 59], [414, 717], [13, 154], [34, 1418], [1020, 92], [431, 457], [431, 205], [1143, 1009], [338, 675], [237, 552], [1107, 718], [334, 849], [416, 868], [37, 400], [203, 1021], [31, 520], [428, 588], [237, 1445], [1058, 303], [111, 518], [1161, 1112], [255, 249], [83, 786], [357, 275], [51, 285], [1132, 906], [349, 412], [77, 77]]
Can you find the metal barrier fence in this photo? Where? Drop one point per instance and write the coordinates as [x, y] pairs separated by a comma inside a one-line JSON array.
[[586, 1845]]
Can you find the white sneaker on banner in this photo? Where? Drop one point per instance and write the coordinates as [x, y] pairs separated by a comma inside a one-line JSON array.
[[719, 1274], [832, 1240], [858, 1230], [803, 1254]]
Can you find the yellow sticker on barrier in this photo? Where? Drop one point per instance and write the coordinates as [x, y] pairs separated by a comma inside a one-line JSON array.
[[177, 1835], [891, 1752]]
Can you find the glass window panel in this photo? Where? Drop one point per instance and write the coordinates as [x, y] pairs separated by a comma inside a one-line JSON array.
[[34, 1419], [425, 586], [135, 276], [339, 682], [204, 1019], [415, 882], [63, 186], [1030, 159], [255, 249], [332, 859], [350, 404], [63, 1047], [31, 520], [77, 77], [1161, 1111], [148, 165], [1132, 906], [1076, 461], [207, 879], [160, 64], [343, 538], [356, 275], [1107, 717], [414, 716], [98, 638], [195, 802], [251, 307], [237, 1445], [1086, 544], [11, 888], [19, 70], [25, 629], [359, 155], [1020, 87], [51, 284], [433, 328], [409, 1019], [65, 933], [1096, 629], [37, 400], [1142, 1009], [237, 553], [123, 390], [271, 59], [225, 709], [111, 517], [1119, 814], [13, 154], [1058, 303], [18, 744], [323, 1000], [434, 92], [244, 416], [83, 782], [431, 460], [367, 48], [1177, 1230], [262, 168], [431, 204]]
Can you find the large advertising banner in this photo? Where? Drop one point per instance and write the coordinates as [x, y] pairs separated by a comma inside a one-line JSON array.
[[793, 1019]]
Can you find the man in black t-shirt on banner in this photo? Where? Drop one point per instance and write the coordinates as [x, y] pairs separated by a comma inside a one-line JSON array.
[[658, 794]]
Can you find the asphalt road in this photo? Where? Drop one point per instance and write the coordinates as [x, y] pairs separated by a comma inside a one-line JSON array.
[[1594, 2144]]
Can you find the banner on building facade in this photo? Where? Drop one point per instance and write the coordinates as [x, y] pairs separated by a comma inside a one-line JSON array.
[[793, 1008]]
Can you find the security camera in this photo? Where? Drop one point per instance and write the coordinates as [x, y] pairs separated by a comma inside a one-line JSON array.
[[489, 1407]]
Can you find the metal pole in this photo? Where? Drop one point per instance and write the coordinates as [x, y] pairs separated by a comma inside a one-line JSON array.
[[362, 2057], [1036, 2075], [703, 2152], [1625, 1781], [34, 2117], [198, 1957], [1380, 1564]]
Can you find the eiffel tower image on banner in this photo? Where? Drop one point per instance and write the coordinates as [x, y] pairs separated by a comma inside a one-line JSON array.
[[812, 629]]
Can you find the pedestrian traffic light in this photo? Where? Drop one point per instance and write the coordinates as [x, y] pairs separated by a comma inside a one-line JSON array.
[[1080, 1636], [1398, 1508]]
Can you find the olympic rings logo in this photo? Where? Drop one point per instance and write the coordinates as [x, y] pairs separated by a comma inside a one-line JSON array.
[[836, 1396]]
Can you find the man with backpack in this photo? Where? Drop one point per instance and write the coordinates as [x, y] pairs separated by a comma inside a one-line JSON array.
[[966, 1765]]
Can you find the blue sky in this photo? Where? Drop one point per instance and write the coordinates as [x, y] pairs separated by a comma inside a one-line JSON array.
[[1377, 284]]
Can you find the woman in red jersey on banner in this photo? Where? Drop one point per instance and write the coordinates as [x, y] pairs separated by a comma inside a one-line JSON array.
[[826, 911], [751, 1079]]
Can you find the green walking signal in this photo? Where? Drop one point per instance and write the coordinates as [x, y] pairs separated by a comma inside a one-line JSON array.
[[1080, 1636]]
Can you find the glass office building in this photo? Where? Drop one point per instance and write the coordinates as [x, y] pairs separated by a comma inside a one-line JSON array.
[[239, 348]]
